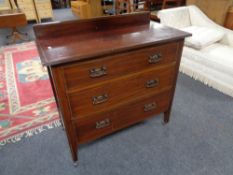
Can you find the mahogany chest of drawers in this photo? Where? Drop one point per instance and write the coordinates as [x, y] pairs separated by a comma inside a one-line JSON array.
[[110, 72]]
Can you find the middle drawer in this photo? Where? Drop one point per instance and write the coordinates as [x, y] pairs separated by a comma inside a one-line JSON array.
[[112, 93]]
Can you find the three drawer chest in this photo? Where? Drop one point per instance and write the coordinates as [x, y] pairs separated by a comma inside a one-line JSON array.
[[109, 73]]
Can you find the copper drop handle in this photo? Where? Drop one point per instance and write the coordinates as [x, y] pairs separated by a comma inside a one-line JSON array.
[[155, 58], [102, 124], [150, 106], [152, 83], [98, 72], [99, 99]]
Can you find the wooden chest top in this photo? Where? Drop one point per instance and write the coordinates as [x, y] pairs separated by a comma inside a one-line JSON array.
[[78, 40]]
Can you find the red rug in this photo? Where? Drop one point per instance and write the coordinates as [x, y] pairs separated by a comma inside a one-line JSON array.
[[27, 104]]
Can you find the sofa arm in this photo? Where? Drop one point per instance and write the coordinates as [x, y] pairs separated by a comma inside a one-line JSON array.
[[228, 37], [198, 18], [175, 17]]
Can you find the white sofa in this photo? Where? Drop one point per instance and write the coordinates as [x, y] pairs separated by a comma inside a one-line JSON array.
[[213, 64]]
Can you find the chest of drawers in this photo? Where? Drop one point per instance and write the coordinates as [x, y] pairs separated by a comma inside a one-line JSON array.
[[110, 72]]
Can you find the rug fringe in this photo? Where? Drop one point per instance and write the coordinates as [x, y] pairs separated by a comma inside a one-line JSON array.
[[207, 81], [29, 133]]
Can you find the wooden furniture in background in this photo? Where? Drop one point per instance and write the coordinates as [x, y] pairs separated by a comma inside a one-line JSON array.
[[109, 7], [110, 72], [5, 5], [163, 4], [229, 19], [57, 4], [140, 5], [215, 10], [129, 6], [13, 19], [157, 2], [33, 9], [123, 6], [87, 8], [171, 3], [28, 7], [43, 9]]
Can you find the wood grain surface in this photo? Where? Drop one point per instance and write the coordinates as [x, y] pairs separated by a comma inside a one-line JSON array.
[[110, 72], [80, 40]]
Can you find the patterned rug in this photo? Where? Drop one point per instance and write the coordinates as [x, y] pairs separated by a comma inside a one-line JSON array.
[[27, 104]]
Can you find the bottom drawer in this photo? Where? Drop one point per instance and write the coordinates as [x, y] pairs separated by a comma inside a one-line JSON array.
[[94, 126], [98, 125], [140, 110]]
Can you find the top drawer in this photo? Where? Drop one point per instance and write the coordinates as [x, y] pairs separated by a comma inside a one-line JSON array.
[[82, 74]]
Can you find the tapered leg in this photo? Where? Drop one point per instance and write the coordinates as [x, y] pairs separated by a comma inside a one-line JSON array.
[[76, 163], [74, 153], [167, 116], [55, 96], [179, 53], [64, 109]]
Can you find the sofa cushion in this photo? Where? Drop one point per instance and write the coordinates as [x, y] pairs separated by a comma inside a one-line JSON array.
[[202, 36], [216, 56], [220, 53]]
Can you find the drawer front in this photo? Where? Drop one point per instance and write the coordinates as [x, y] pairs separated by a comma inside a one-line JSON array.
[[83, 74], [114, 92], [94, 127], [140, 110], [101, 124]]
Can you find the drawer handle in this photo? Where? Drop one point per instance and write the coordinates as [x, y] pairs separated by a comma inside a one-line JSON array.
[[152, 83], [98, 72], [155, 58], [150, 106], [100, 99], [102, 124]]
